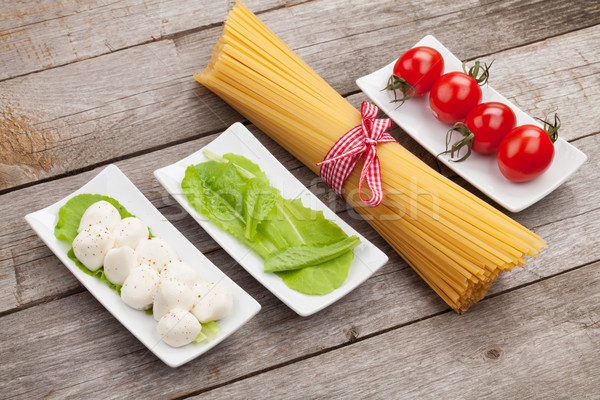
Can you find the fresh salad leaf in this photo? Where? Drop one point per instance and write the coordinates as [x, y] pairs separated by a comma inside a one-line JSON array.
[[209, 332], [241, 162], [70, 214], [297, 257], [260, 198], [216, 190], [310, 253], [319, 279]]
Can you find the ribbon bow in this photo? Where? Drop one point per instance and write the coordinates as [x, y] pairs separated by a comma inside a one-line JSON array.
[[345, 153]]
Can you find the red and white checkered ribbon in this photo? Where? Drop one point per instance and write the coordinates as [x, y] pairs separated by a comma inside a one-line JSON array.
[[345, 153]]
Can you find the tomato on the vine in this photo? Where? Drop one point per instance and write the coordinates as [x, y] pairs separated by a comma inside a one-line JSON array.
[[454, 94], [484, 128], [415, 72], [527, 151]]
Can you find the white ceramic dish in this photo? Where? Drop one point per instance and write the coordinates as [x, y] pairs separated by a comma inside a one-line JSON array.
[[112, 182], [416, 119], [237, 139]]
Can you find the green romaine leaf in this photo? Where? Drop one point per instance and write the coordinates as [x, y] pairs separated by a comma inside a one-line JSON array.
[[70, 214], [310, 224], [319, 279], [243, 162], [259, 200], [297, 257], [268, 223], [216, 190]]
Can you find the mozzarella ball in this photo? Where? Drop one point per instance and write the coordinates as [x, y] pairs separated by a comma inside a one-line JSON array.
[[102, 214], [130, 232], [91, 246], [171, 294], [155, 252], [178, 328], [139, 287], [211, 301], [181, 271], [119, 263]]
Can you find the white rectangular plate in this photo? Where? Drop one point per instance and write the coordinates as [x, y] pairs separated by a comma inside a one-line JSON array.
[[237, 139], [416, 119], [112, 182]]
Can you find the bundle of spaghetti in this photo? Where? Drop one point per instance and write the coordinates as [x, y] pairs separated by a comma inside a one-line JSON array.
[[455, 241]]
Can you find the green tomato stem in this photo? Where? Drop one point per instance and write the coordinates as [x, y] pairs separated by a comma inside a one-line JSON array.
[[394, 83], [474, 72], [551, 128], [465, 140]]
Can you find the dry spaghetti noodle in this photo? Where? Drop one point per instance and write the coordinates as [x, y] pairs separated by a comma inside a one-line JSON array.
[[456, 242]]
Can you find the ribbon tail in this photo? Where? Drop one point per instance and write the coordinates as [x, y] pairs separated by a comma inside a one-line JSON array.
[[372, 174]]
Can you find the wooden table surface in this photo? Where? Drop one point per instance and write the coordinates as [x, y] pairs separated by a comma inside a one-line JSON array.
[[87, 83]]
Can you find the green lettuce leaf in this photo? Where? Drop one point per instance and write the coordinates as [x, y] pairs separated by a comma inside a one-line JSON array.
[[297, 257], [216, 190], [209, 332], [235, 194], [70, 214], [259, 200], [319, 279], [242, 162]]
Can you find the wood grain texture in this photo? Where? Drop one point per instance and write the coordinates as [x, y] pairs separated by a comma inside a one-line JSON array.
[[36, 35], [394, 296], [549, 352], [53, 119], [509, 329], [41, 275], [113, 84]]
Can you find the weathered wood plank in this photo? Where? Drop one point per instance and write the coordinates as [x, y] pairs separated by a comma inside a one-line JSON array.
[[392, 297], [53, 118], [537, 342], [62, 361], [35, 35], [41, 275]]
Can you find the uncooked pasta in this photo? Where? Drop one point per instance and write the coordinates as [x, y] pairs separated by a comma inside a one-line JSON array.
[[455, 241]]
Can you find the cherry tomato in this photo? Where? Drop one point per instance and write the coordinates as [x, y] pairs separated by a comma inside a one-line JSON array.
[[416, 71], [489, 122], [453, 95], [526, 152], [484, 128]]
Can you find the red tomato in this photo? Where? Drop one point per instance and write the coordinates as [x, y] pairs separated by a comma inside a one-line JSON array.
[[525, 153], [489, 122], [416, 71], [453, 95]]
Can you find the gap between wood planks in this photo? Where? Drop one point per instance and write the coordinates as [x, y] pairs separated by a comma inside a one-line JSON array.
[[208, 251], [356, 339], [181, 34], [171, 36], [213, 249], [246, 122], [195, 137]]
